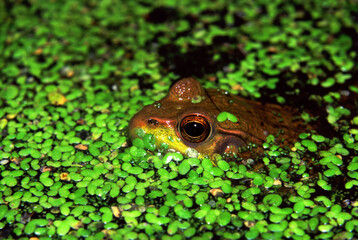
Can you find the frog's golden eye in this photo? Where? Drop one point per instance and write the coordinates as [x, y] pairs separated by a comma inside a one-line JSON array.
[[194, 128]]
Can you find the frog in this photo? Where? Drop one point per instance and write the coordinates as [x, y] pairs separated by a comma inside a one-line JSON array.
[[200, 122]]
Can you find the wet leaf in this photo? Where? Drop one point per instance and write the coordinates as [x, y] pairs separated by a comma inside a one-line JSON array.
[[223, 116], [10, 92]]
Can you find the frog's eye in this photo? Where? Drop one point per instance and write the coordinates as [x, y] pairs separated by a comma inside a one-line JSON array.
[[194, 128]]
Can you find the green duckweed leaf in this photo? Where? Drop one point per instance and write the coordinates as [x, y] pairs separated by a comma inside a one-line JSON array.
[[63, 228], [223, 116], [10, 92], [223, 165], [184, 167]]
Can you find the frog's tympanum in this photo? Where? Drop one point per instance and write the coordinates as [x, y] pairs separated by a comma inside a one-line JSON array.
[[213, 121]]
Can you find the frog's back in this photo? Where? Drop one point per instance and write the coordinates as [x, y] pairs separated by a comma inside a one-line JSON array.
[[257, 118]]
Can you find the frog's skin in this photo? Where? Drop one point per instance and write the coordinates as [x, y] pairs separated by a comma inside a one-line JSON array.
[[186, 97]]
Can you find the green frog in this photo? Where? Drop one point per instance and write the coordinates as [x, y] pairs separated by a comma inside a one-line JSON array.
[[203, 122]]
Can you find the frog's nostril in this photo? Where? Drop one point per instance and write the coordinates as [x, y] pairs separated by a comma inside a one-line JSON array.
[[153, 122]]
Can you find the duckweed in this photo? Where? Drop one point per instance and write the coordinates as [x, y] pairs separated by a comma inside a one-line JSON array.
[[69, 171], [184, 167], [223, 116]]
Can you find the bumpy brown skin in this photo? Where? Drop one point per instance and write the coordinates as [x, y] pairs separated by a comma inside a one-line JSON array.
[[255, 119]]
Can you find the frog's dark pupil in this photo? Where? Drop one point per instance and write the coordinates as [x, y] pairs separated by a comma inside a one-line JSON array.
[[194, 129]]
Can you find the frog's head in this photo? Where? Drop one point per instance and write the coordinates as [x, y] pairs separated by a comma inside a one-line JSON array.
[[186, 120]]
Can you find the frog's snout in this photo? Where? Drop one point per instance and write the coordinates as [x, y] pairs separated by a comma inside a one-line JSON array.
[[136, 122], [142, 120]]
